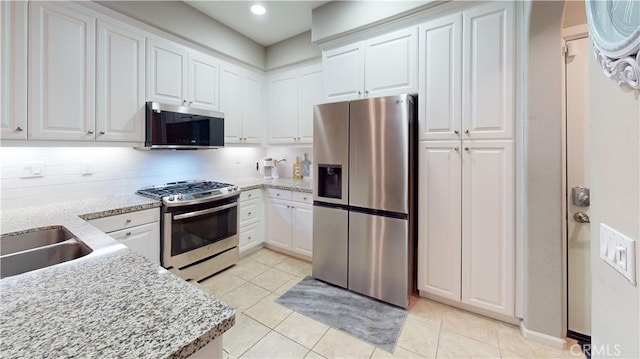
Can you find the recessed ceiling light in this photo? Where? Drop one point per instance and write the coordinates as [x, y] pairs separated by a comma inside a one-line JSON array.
[[258, 9]]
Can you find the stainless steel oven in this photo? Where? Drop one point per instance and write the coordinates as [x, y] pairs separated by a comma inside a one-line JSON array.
[[199, 227]]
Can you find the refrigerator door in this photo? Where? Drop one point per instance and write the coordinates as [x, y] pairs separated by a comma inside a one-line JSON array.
[[330, 245], [378, 257], [379, 153], [331, 153]]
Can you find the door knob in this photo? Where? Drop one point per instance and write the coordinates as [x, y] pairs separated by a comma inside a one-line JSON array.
[[581, 217]]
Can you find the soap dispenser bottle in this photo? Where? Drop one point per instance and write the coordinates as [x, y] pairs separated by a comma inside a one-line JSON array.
[[297, 169]]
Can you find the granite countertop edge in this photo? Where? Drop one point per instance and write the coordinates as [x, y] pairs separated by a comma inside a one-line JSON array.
[[290, 184]]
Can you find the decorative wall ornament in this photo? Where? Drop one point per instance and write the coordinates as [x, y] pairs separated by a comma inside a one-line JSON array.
[[614, 29]]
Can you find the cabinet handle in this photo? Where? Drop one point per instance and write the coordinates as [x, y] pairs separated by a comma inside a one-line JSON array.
[[90, 132], [249, 195], [467, 149], [190, 102], [304, 198], [102, 132], [277, 194], [249, 238], [127, 234], [456, 132], [466, 132], [19, 129], [359, 93], [127, 221], [366, 93], [249, 214], [294, 138], [456, 149]]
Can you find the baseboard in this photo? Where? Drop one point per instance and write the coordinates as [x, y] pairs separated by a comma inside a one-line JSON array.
[[541, 338], [471, 308]]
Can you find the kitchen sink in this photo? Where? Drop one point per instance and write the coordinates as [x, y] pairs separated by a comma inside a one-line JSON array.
[[29, 251]]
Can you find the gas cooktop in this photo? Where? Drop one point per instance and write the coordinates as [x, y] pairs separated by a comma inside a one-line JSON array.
[[189, 192]]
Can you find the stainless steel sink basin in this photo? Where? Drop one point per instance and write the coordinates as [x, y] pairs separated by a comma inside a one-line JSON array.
[[38, 249]]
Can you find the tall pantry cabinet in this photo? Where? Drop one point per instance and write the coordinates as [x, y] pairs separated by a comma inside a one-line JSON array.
[[466, 172]]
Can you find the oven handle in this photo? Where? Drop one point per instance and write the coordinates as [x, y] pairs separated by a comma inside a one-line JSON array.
[[204, 211]]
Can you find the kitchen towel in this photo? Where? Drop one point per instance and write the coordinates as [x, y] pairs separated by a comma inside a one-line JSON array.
[[362, 317]]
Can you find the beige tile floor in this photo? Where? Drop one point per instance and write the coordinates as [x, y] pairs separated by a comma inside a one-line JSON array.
[[265, 329]]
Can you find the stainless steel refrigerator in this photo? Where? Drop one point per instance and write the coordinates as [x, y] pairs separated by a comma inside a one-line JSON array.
[[364, 190]]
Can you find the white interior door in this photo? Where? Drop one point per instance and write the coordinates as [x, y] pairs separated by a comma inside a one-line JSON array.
[[578, 266]]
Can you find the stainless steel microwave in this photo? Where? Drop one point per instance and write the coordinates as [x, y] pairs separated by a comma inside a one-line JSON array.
[[182, 128]]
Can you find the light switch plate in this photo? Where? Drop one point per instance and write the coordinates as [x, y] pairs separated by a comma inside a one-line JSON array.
[[619, 251], [32, 169]]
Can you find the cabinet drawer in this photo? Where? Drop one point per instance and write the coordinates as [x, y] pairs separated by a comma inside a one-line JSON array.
[[250, 212], [302, 197], [144, 239], [251, 236], [279, 193], [127, 220], [252, 194]]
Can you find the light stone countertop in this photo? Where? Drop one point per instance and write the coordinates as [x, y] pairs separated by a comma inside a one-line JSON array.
[[109, 303], [303, 185]]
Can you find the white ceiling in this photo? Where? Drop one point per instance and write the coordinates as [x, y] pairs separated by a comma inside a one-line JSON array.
[[284, 19]]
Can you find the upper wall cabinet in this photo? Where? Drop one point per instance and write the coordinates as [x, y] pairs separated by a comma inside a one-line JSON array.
[[61, 73], [179, 76], [292, 95], [241, 101], [13, 70], [466, 75], [385, 65], [120, 83]]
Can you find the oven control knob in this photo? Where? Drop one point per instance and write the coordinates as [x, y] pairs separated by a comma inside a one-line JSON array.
[[178, 197]]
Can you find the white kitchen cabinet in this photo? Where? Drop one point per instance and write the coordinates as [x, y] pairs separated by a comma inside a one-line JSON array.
[[292, 95], [13, 70], [385, 65], [251, 221], [290, 225], [181, 76], [61, 72], [241, 102], [120, 87], [138, 230], [440, 83], [466, 75], [466, 223]]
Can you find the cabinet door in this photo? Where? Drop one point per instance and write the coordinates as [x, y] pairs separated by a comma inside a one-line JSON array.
[[166, 72], [203, 81], [488, 69], [144, 240], [279, 223], [13, 70], [343, 73], [488, 248], [302, 230], [283, 108], [250, 212], [120, 84], [439, 221], [252, 108], [231, 102], [391, 64], [61, 73], [440, 92], [309, 94]]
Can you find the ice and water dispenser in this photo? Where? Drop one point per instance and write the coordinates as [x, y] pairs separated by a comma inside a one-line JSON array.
[[330, 181]]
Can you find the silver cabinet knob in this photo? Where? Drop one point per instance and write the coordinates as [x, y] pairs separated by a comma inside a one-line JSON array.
[[466, 132], [90, 132], [249, 195], [456, 132], [128, 234], [249, 214], [581, 217], [467, 149], [127, 221], [366, 93], [101, 132], [19, 129], [359, 92], [456, 149]]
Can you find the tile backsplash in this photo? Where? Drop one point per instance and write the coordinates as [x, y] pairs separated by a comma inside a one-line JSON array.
[[69, 173]]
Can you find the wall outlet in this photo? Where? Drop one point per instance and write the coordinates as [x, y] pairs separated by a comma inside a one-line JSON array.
[[86, 168], [619, 251], [32, 169]]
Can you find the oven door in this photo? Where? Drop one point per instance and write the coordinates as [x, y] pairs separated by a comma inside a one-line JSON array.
[[196, 232]]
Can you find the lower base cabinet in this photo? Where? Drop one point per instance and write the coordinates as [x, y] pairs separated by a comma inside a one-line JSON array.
[[290, 225], [251, 219], [140, 231]]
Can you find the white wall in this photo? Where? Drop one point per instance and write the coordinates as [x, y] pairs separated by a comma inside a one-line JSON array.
[[615, 201], [290, 51], [339, 17], [116, 170]]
